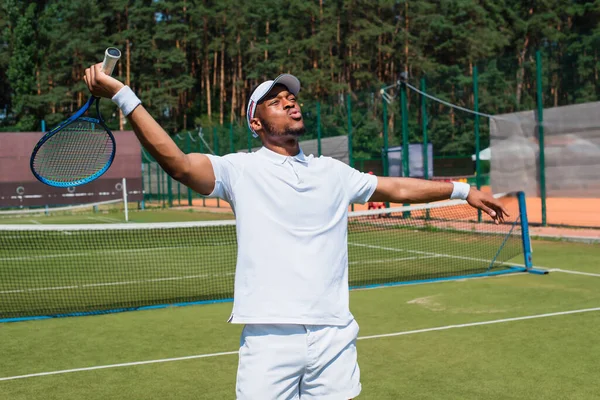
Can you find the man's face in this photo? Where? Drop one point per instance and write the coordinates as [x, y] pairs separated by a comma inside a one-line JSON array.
[[278, 115]]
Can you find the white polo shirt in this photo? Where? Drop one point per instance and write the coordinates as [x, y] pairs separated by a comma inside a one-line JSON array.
[[291, 221]]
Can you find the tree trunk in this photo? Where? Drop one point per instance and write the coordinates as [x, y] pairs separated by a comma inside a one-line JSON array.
[[521, 70], [267, 41], [208, 90], [406, 36], [223, 96]]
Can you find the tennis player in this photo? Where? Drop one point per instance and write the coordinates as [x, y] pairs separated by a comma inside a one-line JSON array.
[[291, 282]]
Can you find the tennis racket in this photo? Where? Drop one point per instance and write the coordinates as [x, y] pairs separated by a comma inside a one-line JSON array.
[[81, 148]]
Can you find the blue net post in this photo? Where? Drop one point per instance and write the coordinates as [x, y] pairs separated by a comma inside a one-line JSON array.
[[527, 252]]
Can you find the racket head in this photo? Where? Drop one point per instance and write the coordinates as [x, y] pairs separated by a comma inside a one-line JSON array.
[[76, 152]]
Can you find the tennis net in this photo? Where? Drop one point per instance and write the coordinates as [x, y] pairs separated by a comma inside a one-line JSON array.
[[61, 270]]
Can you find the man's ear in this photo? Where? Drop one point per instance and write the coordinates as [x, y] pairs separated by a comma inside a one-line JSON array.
[[255, 124]]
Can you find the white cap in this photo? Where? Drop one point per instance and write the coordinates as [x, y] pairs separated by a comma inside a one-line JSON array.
[[289, 81]]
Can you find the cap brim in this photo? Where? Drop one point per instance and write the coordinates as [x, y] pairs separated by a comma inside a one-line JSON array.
[[289, 81]]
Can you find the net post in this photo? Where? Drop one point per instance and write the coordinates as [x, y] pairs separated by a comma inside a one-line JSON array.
[[404, 109], [540, 115], [477, 142], [319, 128], [124, 187], [527, 251]]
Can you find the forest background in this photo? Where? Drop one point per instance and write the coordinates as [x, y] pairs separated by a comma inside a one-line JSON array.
[[193, 62]]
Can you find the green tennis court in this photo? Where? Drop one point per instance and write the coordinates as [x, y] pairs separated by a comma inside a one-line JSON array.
[[175, 352]]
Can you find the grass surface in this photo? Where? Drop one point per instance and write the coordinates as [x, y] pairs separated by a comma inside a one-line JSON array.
[[546, 358]]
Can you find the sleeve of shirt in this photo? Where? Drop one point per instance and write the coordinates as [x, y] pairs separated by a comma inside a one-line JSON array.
[[359, 186], [228, 169]]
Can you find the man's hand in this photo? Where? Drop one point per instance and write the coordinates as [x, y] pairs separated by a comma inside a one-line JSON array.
[[100, 84], [488, 204]]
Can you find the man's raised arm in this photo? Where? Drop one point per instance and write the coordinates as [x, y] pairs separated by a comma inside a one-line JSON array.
[[193, 170], [409, 190]]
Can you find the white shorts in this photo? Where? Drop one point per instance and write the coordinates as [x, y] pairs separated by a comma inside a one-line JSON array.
[[298, 362]]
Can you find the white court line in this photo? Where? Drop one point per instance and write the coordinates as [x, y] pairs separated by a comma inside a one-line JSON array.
[[120, 283], [97, 252], [35, 222], [498, 321], [390, 259], [105, 219], [427, 253], [440, 328], [566, 271]]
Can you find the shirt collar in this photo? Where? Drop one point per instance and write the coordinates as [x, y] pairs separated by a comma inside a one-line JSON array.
[[279, 158]]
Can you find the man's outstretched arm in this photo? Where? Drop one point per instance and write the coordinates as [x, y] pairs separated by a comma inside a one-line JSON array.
[[409, 190], [194, 170]]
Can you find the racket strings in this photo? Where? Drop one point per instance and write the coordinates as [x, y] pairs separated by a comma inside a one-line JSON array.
[[76, 152]]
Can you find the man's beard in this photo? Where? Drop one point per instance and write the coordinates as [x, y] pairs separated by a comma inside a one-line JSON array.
[[270, 131]]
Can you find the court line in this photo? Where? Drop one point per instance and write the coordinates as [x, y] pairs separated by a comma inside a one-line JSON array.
[[389, 260], [105, 219], [567, 271], [385, 335], [427, 253], [94, 253], [119, 283]]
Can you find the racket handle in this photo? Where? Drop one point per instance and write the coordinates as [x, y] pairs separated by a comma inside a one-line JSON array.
[[111, 56]]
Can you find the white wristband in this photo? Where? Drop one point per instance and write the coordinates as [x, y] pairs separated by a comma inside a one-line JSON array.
[[460, 191], [126, 100]]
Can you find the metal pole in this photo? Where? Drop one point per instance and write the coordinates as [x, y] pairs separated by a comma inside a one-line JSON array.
[[424, 125], [425, 139], [477, 137], [405, 170], [188, 146], [319, 128], [201, 143], [124, 187], [540, 112], [169, 190], [525, 230], [386, 145]]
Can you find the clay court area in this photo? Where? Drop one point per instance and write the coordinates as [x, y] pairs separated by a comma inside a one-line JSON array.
[[567, 217]]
